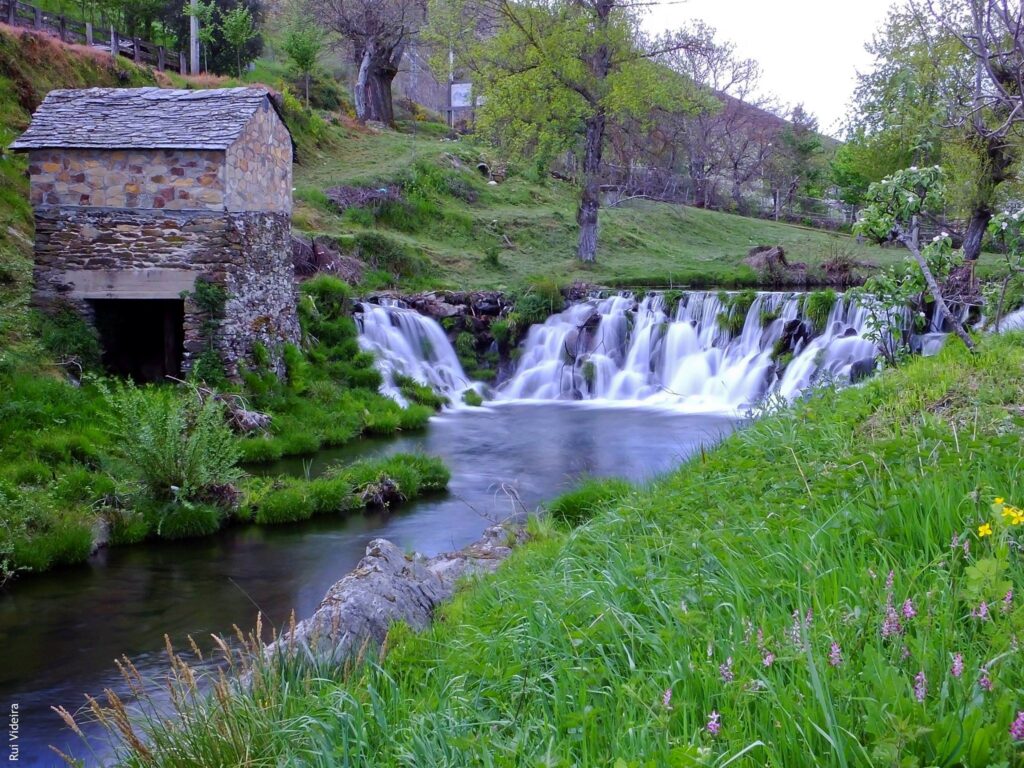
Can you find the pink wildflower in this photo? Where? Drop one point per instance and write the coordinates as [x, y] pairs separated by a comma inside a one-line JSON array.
[[981, 612], [835, 655], [666, 699], [760, 638], [958, 665], [985, 682], [768, 659], [890, 580], [920, 686], [891, 626], [905, 654], [955, 542], [967, 546], [714, 723], [795, 633], [1017, 727], [725, 670], [909, 611], [1008, 601]]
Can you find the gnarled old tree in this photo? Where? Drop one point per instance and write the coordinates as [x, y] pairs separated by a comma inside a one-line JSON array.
[[946, 89], [377, 33], [554, 74], [991, 113]]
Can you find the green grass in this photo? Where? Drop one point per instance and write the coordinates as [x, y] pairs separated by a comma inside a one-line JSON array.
[[518, 229], [727, 586]]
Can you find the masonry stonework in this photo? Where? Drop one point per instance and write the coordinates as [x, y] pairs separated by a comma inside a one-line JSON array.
[[92, 178], [119, 219], [259, 166]]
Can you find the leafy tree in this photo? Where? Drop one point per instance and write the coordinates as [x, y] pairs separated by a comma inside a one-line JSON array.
[[796, 163], [303, 43], [238, 28], [207, 28], [377, 32], [554, 75], [946, 87], [896, 206]]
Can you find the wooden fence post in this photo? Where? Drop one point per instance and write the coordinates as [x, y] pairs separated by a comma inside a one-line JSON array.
[[182, 68], [88, 33], [160, 58], [115, 43], [39, 18], [137, 50], [62, 28], [12, 11]]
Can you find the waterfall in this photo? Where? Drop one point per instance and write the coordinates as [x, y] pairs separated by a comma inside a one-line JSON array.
[[696, 350], [1012, 322], [406, 343], [697, 355]]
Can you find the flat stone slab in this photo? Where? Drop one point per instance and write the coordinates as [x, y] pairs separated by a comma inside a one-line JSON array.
[[389, 586]]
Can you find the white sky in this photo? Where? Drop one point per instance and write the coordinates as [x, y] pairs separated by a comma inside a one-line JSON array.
[[809, 50]]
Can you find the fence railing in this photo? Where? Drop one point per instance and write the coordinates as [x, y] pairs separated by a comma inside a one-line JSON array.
[[18, 14]]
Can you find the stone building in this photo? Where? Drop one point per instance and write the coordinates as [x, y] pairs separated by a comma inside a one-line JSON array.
[[141, 192]]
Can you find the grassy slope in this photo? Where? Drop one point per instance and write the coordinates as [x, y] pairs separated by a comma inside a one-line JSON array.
[[60, 472], [641, 243], [564, 657]]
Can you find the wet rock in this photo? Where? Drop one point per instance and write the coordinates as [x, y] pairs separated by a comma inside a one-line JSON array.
[[862, 369], [389, 586]]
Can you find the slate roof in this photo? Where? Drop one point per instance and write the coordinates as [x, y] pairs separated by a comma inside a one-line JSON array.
[[142, 118]]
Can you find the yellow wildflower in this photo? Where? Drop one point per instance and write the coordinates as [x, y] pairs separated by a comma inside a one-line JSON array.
[[1000, 499], [1018, 516], [985, 529]]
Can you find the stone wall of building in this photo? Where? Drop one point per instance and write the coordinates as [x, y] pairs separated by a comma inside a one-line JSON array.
[[259, 165], [168, 179], [81, 253]]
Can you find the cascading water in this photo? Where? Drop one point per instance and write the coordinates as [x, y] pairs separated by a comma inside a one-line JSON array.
[[710, 352], [1012, 322], [406, 343], [617, 349]]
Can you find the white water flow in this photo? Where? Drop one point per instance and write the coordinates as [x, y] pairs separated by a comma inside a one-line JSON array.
[[1012, 322], [699, 356], [406, 343], [618, 349]]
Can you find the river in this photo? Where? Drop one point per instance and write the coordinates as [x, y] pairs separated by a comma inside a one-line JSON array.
[[61, 631]]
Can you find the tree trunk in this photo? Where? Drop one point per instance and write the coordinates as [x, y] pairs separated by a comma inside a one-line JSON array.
[[590, 199], [980, 218], [377, 70], [911, 240], [307, 90]]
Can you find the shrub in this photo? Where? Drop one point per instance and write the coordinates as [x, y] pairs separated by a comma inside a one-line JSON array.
[[385, 253], [465, 345], [433, 474], [287, 504], [414, 417], [500, 331], [472, 397], [580, 505], [818, 307], [179, 445], [185, 520], [420, 394], [332, 494], [66, 336]]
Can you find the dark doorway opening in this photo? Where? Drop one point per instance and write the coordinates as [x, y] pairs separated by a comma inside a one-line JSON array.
[[141, 338]]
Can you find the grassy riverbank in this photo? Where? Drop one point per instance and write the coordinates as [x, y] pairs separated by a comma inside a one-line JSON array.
[[840, 609]]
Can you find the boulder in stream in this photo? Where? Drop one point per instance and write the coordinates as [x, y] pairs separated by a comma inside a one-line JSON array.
[[389, 586]]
